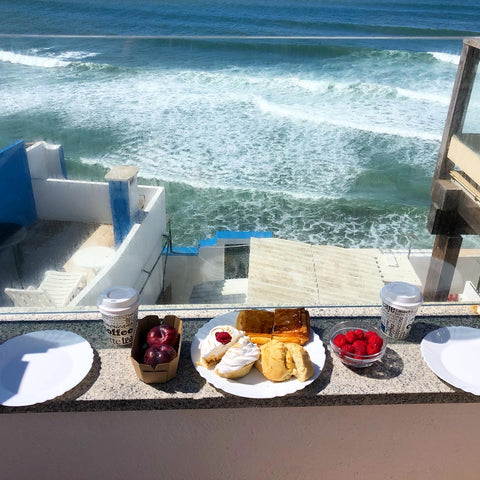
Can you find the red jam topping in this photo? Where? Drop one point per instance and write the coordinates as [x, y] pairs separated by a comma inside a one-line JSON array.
[[223, 337]]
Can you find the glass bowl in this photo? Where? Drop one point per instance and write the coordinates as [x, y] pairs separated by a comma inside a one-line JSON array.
[[354, 359]]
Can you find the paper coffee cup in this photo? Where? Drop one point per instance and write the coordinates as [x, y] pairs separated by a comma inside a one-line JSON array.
[[400, 302], [119, 309]]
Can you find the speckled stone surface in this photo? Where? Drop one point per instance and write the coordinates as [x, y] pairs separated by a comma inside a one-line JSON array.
[[402, 376]]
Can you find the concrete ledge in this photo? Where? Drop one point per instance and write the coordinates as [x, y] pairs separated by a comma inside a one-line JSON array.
[[402, 376]]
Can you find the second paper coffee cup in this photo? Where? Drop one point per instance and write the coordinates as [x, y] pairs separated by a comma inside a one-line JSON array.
[[400, 302]]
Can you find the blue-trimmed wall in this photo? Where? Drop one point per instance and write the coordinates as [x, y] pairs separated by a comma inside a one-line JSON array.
[[222, 235], [17, 202]]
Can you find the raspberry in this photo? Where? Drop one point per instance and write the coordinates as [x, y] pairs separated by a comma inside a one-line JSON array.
[[359, 347], [223, 337], [375, 339], [369, 334], [347, 348], [340, 340], [373, 348], [351, 337], [359, 334]]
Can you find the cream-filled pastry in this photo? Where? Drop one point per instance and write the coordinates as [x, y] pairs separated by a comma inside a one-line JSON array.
[[217, 342], [238, 359]]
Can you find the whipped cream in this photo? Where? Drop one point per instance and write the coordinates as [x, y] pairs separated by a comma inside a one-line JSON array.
[[242, 353], [211, 350]]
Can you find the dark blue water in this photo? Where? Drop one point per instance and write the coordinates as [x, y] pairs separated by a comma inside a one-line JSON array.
[[249, 119]]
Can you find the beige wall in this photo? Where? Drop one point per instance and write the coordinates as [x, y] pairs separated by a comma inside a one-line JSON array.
[[371, 442]]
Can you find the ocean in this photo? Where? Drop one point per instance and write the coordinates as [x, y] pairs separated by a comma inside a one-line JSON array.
[[312, 120]]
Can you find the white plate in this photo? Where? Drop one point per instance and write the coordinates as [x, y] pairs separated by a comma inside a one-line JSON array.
[[254, 385], [39, 366], [453, 354]]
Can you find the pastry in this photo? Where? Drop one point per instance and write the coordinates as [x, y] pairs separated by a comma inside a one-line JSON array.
[[291, 325], [285, 324], [238, 359], [280, 361], [217, 342], [257, 324]]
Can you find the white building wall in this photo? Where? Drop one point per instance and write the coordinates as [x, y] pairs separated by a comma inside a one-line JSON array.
[[132, 262], [44, 160], [72, 200]]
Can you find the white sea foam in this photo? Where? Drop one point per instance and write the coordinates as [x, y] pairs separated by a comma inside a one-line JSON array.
[[74, 55], [381, 128], [446, 57], [32, 60], [424, 95], [372, 90], [45, 58]]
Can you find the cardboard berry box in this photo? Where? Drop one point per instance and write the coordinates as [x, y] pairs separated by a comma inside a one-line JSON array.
[[162, 372]]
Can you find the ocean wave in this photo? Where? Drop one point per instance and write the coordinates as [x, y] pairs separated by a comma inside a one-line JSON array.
[[367, 89], [32, 60], [424, 96], [445, 57], [74, 55], [44, 58], [297, 114], [98, 67], [259, 190]]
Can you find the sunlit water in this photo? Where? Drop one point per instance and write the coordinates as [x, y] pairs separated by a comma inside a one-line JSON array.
[[324, 141]]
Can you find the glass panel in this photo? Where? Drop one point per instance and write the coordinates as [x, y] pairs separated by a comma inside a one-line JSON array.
[[271, 171], [471, 128]]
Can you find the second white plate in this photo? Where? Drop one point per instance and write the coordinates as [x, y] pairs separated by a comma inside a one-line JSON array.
[[452, 353]]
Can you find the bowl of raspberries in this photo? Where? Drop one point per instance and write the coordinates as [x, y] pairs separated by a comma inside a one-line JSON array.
[[357, 345]]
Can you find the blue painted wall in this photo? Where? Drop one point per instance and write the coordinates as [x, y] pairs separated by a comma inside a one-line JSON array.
[[120, 206], [17, 204], [63, 164], [220, 235]]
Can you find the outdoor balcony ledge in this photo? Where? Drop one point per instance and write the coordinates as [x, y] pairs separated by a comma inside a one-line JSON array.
[[402, 377], [397, 415]]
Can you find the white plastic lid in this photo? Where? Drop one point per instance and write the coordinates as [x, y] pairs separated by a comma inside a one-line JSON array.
[[401, 294], [118, 300]]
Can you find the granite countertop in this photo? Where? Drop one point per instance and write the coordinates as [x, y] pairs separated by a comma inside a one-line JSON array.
[[402, 376]]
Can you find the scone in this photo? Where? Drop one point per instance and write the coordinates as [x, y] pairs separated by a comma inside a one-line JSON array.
[[217, 342], [238, 359], [274, 361], [303, 367], [280, 361]]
